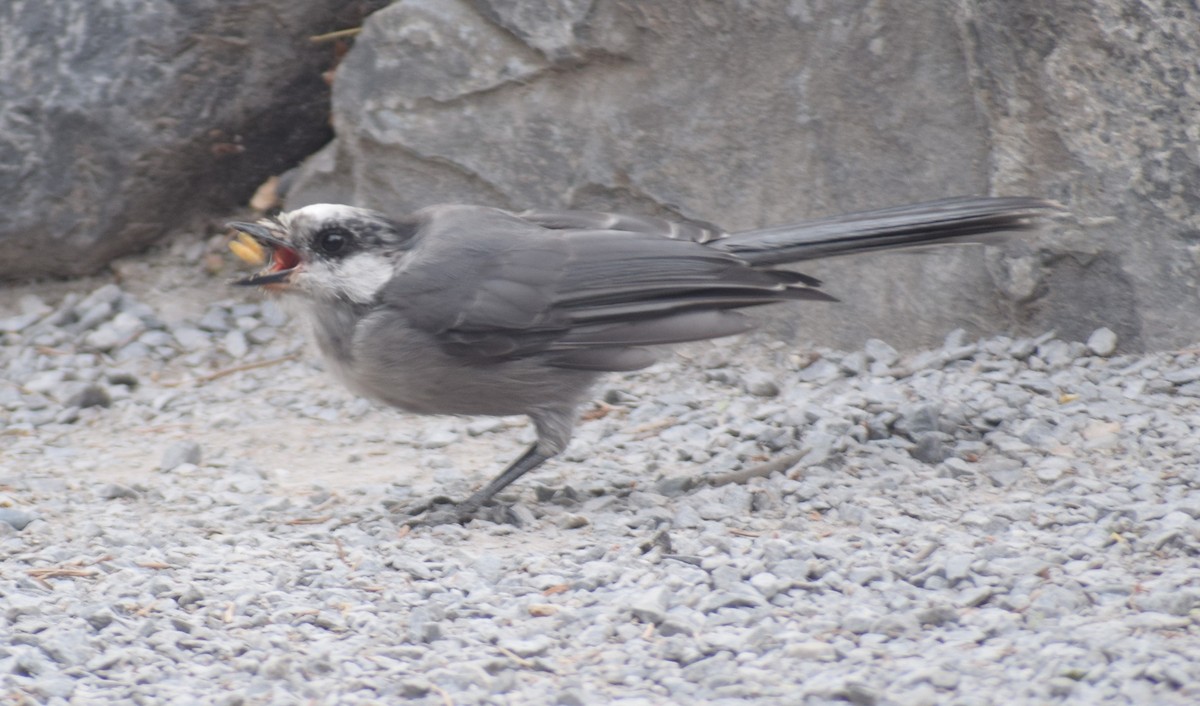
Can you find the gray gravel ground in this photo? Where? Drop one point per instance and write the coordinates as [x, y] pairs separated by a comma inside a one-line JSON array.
[[993, 522]]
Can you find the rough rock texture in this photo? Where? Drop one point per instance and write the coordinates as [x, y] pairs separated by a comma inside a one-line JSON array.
[[1095, 102], [120, 119], [753, 114]]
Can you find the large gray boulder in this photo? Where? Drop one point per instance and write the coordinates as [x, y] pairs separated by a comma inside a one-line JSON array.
[[1097, 103], [750, 114], [120, 120]]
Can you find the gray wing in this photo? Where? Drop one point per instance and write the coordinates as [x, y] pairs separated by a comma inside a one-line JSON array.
[[693, 230], [488, 285]]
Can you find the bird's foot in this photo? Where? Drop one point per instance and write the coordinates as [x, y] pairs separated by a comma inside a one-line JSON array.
[[439, 510], [444, 511], [434, 516]]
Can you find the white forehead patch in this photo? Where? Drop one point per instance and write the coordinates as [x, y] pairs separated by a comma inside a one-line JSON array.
[[327, 211], [320, 213]]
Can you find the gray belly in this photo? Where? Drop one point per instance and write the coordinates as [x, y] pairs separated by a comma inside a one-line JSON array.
[[406, 368]]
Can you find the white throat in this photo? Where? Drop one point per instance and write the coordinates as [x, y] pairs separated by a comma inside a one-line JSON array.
[[360, 276]]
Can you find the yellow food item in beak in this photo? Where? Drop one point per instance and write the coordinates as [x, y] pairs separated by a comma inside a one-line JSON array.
[[248, 249]]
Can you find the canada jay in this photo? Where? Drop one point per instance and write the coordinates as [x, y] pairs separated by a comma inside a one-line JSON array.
[[472, 310]]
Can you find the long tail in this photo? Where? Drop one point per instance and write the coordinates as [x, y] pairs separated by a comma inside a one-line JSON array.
[[964, 218]]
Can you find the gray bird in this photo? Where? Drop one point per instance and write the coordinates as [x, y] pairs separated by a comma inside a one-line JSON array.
[[471, 310]]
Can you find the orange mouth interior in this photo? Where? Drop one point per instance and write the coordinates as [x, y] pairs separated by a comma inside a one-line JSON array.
[[283, 259]]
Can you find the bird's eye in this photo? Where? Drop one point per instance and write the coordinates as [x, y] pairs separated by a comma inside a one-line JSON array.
[[332, 241]]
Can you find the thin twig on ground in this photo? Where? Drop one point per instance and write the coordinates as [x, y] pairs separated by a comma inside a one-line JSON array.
[[760, 471], [247, 366]]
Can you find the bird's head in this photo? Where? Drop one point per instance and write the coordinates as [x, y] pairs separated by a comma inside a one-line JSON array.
[[323, 251]]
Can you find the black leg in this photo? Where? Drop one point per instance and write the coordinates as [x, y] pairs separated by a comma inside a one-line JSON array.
[[464, 511]]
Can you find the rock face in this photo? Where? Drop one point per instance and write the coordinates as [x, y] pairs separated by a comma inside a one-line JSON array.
[[753, 114], [120, 119], [1096, 103]]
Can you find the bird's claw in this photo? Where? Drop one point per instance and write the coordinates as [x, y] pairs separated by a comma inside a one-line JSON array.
[[443, 511], [432, 516], [438, 510]]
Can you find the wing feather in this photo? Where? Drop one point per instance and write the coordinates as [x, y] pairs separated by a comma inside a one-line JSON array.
[[683, 229], [558, 286]]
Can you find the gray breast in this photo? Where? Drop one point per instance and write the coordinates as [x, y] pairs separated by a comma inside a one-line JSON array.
[[406, 367]]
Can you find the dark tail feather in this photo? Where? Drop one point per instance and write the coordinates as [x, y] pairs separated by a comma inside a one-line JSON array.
[[964, 218]]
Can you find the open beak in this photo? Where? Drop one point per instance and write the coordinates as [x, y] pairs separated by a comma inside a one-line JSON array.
[[284, 260]]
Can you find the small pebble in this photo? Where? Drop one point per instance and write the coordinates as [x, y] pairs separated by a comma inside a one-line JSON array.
[[235, 344], [761, 385], [113, 491], [191, 339], [651, 605], [178, 454], [1102, 342], [90, 396], [17, 519], [573, 522], [880, 352]]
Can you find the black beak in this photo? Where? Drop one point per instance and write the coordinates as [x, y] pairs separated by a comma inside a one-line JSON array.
[[282, 253], [258, 232], [260, 280]]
